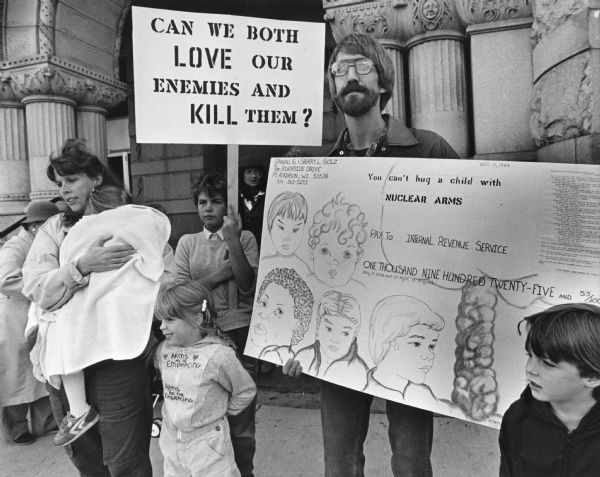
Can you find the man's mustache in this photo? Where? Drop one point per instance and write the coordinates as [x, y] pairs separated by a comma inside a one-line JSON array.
[[353, 87]]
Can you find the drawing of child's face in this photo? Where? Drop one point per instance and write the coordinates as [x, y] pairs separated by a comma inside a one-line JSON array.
[[334, 263], [335, 334], [275, 312], [286, 234], [412, 354]]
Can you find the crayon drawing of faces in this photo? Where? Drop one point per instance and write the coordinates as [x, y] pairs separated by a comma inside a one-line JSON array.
[[334, 263], [403, 334], [336, 334], [413, 353], [286, 234], [275, 313]]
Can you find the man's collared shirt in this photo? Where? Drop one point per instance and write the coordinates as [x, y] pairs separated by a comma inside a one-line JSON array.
[[401, 141]]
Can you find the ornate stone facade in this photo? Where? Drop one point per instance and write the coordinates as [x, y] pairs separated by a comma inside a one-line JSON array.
[[54, 84], [561, 102], [565, 101], [377, 18], [432, 15], [43, 74], [500, 47], [550, 14], [474, 12]]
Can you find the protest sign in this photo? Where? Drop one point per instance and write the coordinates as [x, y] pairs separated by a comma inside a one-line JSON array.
[[222, 79], [407, 278]]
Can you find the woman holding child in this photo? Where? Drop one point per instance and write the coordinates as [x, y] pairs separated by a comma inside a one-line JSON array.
[[117, 390]]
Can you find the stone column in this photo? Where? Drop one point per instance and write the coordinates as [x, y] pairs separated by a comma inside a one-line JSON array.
[[438, 96], [51, 89], [14, 176], [436, 69], [501, 77], [396, 106], [50, 121], [565, 101], [91, 126]]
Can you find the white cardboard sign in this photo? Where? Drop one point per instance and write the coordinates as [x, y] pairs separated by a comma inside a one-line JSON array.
[[406, 278], [221, 79]]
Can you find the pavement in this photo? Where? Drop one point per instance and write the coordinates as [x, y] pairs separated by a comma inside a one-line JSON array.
[[289, 445]]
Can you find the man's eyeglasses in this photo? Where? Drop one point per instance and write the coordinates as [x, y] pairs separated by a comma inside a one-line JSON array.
[[363, 66]]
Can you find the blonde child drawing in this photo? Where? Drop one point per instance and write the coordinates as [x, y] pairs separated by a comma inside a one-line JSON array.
[[335, 243]]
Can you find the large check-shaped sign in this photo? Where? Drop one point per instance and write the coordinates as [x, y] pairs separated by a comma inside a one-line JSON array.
[[407, 278]]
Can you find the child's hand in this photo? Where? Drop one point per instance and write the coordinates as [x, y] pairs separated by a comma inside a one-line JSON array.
[[232, 226], [102, 259], [292, 368]]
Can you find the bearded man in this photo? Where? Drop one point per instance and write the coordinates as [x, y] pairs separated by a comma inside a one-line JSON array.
[[361, 80]]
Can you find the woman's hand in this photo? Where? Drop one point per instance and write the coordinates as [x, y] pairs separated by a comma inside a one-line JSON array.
[[102, 259]]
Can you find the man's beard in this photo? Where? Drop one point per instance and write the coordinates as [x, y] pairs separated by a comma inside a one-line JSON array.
[[356, 106]]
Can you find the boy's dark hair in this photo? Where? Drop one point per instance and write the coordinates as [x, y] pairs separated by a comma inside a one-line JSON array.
[[364, 45], [211, 184], [568, 332]]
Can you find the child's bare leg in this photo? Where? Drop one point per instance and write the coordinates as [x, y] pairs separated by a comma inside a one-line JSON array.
[[81, 416], [74, 385]]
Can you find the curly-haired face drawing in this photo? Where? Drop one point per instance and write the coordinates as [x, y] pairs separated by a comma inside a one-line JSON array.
[[336, 236], [286, 220], [284, 305], [403, 333]]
